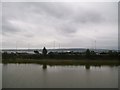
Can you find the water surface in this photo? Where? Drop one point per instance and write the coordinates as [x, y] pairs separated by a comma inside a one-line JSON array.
[[39, 76]]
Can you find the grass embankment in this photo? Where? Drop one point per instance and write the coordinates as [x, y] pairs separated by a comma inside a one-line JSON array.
[[63, 62]]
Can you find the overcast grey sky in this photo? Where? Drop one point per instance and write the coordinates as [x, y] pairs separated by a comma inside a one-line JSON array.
[[68, 24]]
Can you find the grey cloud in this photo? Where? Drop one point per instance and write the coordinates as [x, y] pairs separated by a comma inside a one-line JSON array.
[[29, 35], [56, 10], [62, 20], [8, 28], [67, 29], [89, 17], [59, 11]]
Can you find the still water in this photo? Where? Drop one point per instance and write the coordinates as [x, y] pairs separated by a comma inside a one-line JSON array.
[[39, 76]]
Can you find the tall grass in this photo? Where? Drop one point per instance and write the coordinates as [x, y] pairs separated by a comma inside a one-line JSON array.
[[63, 62]]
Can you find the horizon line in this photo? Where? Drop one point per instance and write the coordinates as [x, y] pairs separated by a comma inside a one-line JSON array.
[[57, 48]]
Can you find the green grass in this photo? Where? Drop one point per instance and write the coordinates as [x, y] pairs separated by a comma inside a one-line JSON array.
[[63, 62]]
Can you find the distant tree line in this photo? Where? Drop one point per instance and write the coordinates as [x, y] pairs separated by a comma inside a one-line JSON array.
[[90, 55]]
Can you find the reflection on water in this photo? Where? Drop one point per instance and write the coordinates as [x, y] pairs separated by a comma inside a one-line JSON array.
[[45, 76], [87, 67], [44, 66]]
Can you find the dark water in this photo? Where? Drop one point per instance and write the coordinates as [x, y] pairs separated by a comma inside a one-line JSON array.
[[39, 76]]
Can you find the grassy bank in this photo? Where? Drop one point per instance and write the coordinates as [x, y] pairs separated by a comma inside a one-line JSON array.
[[63, 62], [61, 56]]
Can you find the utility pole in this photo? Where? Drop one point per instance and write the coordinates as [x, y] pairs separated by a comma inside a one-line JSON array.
[[59, 45], [28, 46], [92, 45], [16, 46], [95, 39], [54, 45], [95, 44]]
